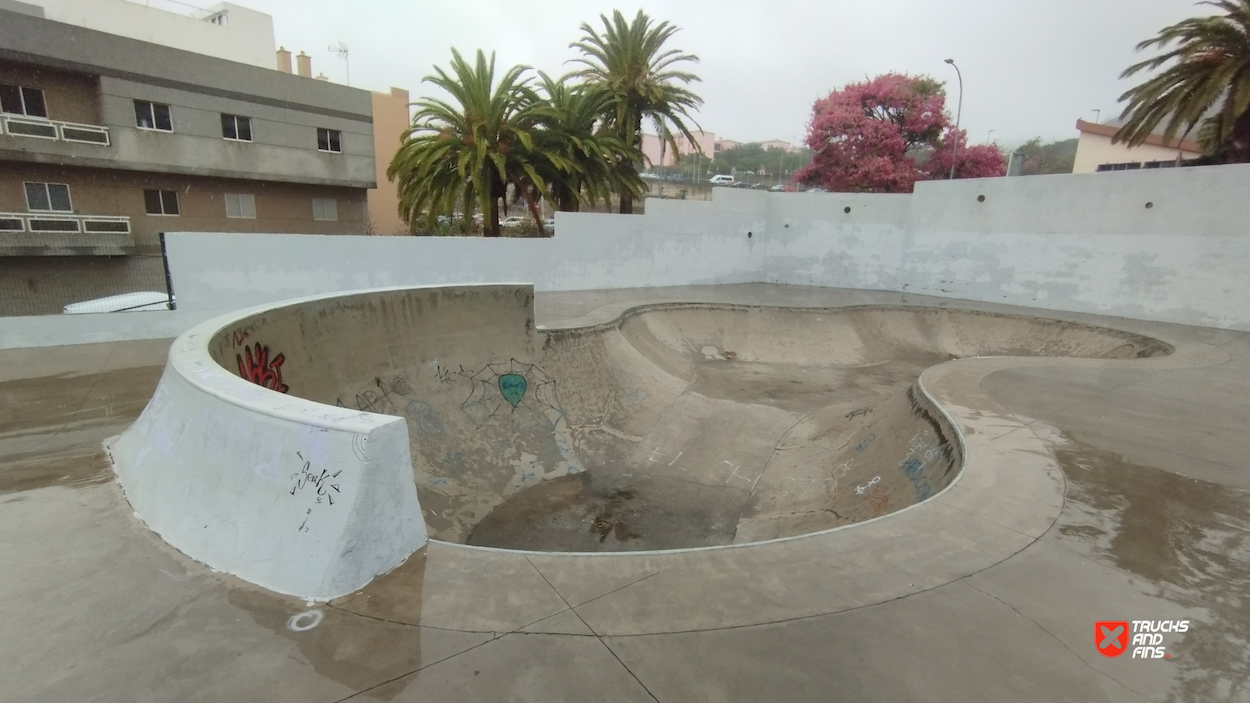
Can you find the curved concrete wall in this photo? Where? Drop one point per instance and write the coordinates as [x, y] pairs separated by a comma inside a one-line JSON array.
[[299, 497], [297, 445]]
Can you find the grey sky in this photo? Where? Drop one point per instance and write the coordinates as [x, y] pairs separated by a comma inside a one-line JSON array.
[[1030, 68]]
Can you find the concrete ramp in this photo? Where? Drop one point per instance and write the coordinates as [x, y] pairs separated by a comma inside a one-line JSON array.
[[675, 426]]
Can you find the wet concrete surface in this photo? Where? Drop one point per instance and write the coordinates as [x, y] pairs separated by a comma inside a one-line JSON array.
[[51, 427], [1154, 525]]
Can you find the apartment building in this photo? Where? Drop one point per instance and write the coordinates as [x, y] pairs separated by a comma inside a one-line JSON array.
[[107, 141]]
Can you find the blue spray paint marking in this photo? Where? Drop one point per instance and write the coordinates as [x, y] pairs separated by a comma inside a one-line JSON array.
[[512, 386]]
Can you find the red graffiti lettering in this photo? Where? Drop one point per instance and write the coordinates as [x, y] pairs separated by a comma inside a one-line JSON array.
[[256, 366]]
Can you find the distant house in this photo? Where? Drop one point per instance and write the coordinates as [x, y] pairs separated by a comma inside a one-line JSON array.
[[1095, 152], [779, 144], [657, 156], [723, 144]]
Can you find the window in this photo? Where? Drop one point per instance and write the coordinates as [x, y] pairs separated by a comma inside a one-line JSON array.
[[1127, 166], [153, 116], [241, 206], [325, 209], [17, 100], [161, 202], [236, 128], [47, 197], [330, 140]]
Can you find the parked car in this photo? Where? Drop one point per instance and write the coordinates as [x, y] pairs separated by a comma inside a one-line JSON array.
[[778, 188], [817, 190], [513, 221], [126, 302], [550, 224], [721, 180]]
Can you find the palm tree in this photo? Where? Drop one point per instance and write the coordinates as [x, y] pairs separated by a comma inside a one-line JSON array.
[[628, 61], [1212, 57], [465, 154], [572, 127]]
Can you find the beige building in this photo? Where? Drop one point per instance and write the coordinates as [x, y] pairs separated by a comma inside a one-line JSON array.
[[390, 124], [1095, 152], [657, 156]]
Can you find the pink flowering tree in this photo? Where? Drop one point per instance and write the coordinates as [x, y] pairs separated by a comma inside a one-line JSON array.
[[885, 134]]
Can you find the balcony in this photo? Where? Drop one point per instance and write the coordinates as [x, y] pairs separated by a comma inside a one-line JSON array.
[[54, 130], [54, 234], [51, 222]]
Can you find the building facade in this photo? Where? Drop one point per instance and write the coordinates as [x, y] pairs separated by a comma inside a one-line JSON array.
[[390, 124], [657, 155], [107, 141], [1095, 152], [224, 30]]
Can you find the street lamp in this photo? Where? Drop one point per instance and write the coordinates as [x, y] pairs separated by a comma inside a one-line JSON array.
[[990, 138], [958, 115]]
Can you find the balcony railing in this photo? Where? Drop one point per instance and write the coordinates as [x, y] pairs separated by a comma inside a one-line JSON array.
[[53, 223], [55, 130]]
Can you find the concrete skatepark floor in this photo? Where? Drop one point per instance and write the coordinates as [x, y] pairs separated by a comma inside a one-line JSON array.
[[1155, 511]]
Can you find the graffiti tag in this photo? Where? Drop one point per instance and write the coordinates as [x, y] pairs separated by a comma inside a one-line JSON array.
[[256, 366]]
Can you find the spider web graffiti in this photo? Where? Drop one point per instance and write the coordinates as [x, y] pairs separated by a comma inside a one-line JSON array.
[[508, 386]]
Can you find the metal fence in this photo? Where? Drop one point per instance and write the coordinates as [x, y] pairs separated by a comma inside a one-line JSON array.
[[71, 285]]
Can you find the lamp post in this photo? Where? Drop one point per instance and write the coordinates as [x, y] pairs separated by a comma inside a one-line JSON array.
[[958, 115], [990, 139]]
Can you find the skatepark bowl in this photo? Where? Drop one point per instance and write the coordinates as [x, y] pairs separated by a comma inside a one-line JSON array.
[[311, 445]]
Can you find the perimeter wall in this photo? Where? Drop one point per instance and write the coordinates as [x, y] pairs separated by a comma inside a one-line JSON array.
[[1171, 245]]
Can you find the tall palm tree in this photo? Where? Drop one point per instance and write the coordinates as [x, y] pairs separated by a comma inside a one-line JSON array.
[[467, 153], [629, 61], [573, 127], [1212, 56]]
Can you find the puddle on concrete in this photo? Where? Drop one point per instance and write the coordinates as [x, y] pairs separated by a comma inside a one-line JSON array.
[[588, 512], [805, 388], [1190, 538], [358, 652], [51, 428], [41, 469]]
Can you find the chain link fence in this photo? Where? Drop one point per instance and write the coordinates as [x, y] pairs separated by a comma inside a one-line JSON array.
[[69, 285]]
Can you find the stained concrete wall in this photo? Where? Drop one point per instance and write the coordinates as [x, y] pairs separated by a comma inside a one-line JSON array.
[[1082, 242]]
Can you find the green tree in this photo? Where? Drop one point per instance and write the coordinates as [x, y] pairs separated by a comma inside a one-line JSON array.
[[571, 122], [772, 162], [1212, 64], [1054, 157], [629, 62], [466, 152]]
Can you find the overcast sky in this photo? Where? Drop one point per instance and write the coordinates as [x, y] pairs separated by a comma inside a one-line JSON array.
[[1029, 68]]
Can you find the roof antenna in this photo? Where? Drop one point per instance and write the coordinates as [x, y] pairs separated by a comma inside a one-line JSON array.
[[341, 50]]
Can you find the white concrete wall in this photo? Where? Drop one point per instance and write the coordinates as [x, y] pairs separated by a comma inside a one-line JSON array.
[[591, 251], [1085, 243], [247, 37]]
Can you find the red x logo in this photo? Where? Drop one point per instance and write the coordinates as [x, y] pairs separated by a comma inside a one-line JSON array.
[[1111, 637]]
